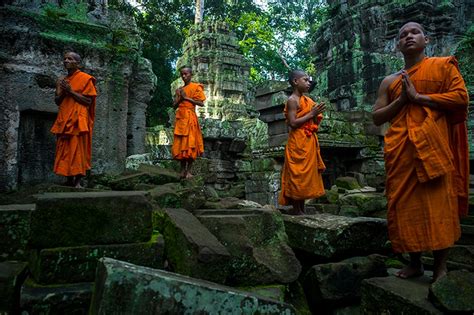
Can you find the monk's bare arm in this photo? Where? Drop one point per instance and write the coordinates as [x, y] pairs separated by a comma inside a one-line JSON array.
[[383, 111], [78, 97], [293, 105], [195, 102]]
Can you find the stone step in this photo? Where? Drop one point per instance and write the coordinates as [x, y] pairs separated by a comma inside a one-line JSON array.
[[257, 243], [332, 236], [454, 293], [90, 218], [468, 220], [55, 299], [14, 230], [12, 276], [123, 288], [392, 295], [467, 235], [190, 248], [78, 264]]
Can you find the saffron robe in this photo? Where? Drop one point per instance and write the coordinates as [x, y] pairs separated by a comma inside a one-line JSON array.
[[426, 160], [187, 139], [301, 174], [73, 128]]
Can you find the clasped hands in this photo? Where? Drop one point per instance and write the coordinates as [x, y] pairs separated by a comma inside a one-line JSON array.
[[409, 92], [64, 86], [318, 109]]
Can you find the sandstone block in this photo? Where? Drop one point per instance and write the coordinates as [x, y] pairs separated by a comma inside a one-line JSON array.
[[12, 276], [14, 230], [454, 293]]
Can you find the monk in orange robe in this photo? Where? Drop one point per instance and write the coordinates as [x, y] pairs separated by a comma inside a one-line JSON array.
[[75, 96], [187, 140], [426, 152], [301, 174]]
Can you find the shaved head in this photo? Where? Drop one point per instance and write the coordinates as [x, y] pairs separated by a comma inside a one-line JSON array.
[[412, 24], [187, 68], [294, 75], [74, 55]]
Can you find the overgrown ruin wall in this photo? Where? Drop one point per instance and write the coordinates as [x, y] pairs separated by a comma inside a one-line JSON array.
[[32, 43]]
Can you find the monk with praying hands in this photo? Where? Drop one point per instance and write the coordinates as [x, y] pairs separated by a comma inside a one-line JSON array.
[[301, 177], [187, 140], [426, 152], [75, 97]]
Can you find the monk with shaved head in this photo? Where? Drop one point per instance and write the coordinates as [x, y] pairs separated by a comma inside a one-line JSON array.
[[426, 152], [75, 97], [301, 177]]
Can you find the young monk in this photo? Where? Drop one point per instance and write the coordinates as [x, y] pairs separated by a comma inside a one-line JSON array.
[[301, 174], [187, 143], [426, 153], [75, 96]]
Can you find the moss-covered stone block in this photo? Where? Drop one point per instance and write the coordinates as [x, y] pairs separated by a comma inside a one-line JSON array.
[[12, 275], [191, 249], [347, 182], [14, 230], [78, 264], [72, 298], [257, 242], [332, 236], [275, 292], [362, 204], [442, 292], [129, 289], [74, 219]]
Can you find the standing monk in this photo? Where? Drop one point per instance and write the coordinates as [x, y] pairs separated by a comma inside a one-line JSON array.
[[187, 142], [426, 153], [301, 174], [75, 96]]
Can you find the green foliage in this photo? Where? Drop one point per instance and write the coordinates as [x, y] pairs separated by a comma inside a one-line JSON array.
[[74, 10]]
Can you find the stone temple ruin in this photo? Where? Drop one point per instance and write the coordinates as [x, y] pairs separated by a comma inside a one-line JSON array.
[[147, 242]]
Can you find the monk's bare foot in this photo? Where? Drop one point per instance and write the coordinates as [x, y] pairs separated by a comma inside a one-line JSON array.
[[182, 174], [410, 271], [438, 274], [189, 175]]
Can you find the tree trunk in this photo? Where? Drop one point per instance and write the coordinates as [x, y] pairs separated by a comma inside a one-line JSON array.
[[199, 11]]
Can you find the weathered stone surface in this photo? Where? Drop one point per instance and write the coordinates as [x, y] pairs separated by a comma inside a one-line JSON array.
[[333, 236], [455, 292], [78, 264], [258, 244], [190, 196], [125, 288], [467, 235], [147, 174], [460, 257], [392, 295], [365, 204], [326, 208], [347, 183], [12, 275], [296, 297], [33, 45], [55, 299], [74, 219], [275, 292], [336, 284], [231, 203], [191, 249], [14, 230]]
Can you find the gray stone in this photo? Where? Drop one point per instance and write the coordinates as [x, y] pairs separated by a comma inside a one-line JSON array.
[[332, 236], [326, 208], [73, 219], [231, 203], [335, 284], [12, 275], [191, 249], [55, 299], [467, 235], [258, 244], [275, 292], [14, 230], [454, 293], [125, 288], [78, 264], [175, 195], [392, 295], [365, 203], [347, 183]]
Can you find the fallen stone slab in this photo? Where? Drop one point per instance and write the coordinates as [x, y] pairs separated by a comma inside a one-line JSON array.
[[335, 284], [257, 243], [231, 203], [74, 219], [332, 236], [364, 203], [123, 288], [275, 292], [14, 230], [191, 249], [392, 295], [146, 174], [467, 235], [55, 299], [78, 264], [175, 195], [12, 276], [454, 293]]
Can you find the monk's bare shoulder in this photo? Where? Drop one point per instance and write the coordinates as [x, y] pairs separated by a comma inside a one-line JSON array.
[[293, 102], [389, 79]]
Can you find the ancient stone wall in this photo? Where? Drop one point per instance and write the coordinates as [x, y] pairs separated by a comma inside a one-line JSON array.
[[32, 43]]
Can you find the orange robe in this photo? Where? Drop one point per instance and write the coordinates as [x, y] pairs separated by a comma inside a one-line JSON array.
[[73, 128], [301, 174], [187, 142], [426, 160]]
